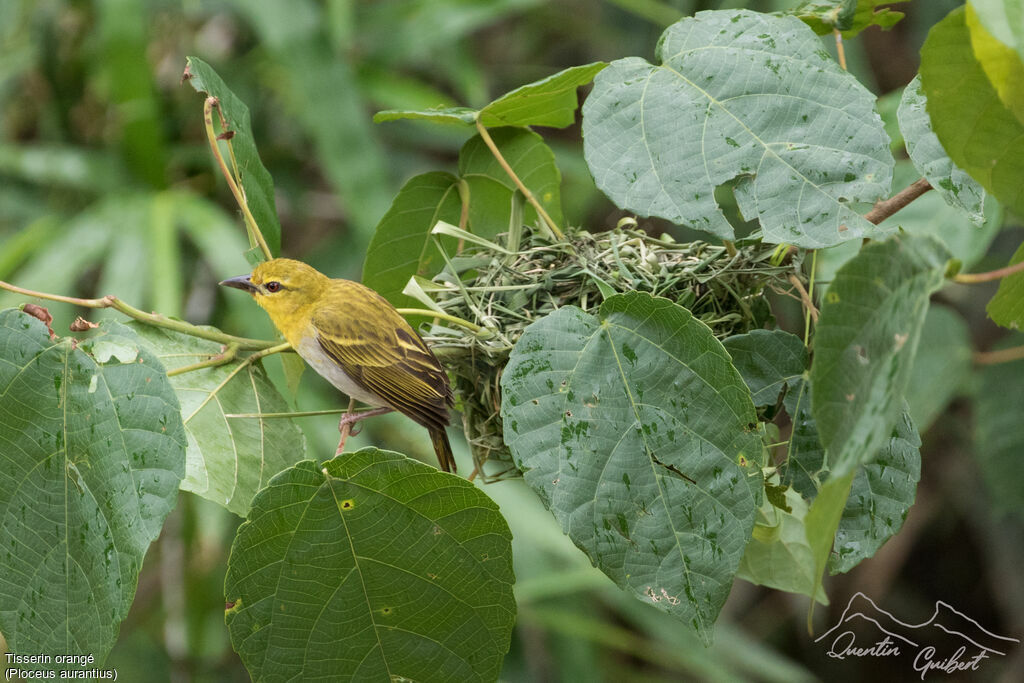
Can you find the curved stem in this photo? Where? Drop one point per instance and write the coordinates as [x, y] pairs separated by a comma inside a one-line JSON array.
[[154, 319], [486, 137], [226, 356], [973, 278], [1000, 356], [236, 189]]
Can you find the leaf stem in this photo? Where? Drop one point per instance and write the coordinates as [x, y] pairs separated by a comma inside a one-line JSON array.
[[306, 413], [888, 207], [486, 137], [974, 278], [1000, 356], [840, 50], [226, 356], [154, 319], [236, 188]]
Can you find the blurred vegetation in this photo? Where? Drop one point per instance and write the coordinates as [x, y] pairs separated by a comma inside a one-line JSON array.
[[107, 186]]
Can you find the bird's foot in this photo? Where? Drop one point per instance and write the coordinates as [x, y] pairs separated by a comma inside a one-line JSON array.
[[346, 425]]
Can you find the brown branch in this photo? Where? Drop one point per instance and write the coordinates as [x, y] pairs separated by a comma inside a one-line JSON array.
[[972, 278], [1000, 356], [888, 207], [805, 298]]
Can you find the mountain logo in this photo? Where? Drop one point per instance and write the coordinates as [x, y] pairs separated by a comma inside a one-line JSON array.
[[948, 642]]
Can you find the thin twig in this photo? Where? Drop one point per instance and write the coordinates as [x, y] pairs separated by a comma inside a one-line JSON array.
[[973, 278], [236, 190], [888, 207], [486, 137], [1000, 356], [244, 364], [840, 51], [805, 298], [154, 319]]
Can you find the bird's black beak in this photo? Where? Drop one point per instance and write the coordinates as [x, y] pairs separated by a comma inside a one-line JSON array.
[[241, 282]]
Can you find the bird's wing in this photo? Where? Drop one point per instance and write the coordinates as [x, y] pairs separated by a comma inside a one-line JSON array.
[[378, 349]]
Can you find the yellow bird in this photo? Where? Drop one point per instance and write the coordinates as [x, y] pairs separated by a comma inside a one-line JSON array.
[[358, 342]]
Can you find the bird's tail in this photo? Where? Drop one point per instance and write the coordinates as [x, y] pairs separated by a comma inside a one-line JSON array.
[[443, 448]]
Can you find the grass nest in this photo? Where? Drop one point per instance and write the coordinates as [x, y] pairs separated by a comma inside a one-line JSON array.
[[504, 290]]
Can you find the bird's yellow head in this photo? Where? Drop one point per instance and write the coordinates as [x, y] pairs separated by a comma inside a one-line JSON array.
[[284, 287]]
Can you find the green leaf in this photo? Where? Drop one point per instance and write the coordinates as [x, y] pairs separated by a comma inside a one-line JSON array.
[[942, 365], [978, 132], [638, 434], [1001, 63], [822, 522], [550, 101], [769, 361], [849, 16], [804, 469], [881, 494], [256, 180], [778, 555], [952, 182], [91, 459], [865, 342], [999, 432], [733, 100], [371, 567], [228, 459], [1007, 307], [401, 246], [1004, 19], [491, 189]]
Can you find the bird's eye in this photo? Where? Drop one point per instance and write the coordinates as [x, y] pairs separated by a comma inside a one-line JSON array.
[[273, 287]]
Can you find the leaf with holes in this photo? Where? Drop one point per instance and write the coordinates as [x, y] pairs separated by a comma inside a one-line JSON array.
[[91, 454], [746, 97], [637, 432], [369, 567], [228, 459], [880, 497], [865, 342], [957, 188], [769, 361]]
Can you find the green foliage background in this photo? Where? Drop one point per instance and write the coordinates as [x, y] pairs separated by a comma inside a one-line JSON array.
[[106, 186]]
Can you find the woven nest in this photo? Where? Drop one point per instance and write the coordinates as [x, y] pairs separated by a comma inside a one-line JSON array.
[[505, 292]]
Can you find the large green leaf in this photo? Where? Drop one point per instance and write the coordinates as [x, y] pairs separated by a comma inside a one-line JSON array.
[[256, 180], [942, 367], [778, 554], [491, 190], [228, 459], [881, 494], [1000, 61], [952, 182], [746, 96], [976, 129], [999, 432], [638, 433], [1007, 306], [402, 246], [371, 567], [91, 453], [769, 361], [1004, 19], [550, 101], [865, 342]]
